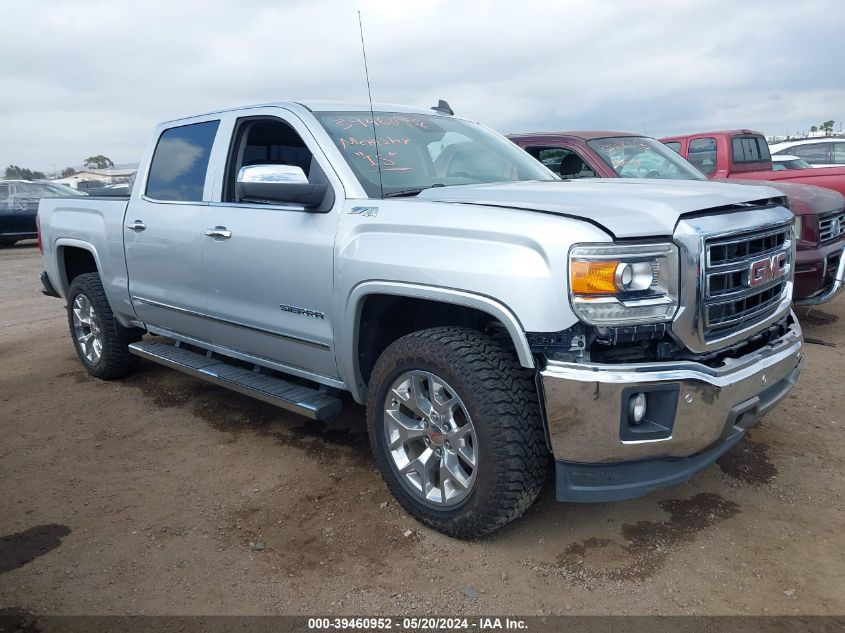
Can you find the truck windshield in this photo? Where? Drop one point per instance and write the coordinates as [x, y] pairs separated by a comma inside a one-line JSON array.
[[419, 151], [643, 157]]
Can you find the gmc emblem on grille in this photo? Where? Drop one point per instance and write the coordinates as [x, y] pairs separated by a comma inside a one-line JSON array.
[[765, 270]]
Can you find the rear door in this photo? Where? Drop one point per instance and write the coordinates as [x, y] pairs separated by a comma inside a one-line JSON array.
[[163, 231], [269, 267]]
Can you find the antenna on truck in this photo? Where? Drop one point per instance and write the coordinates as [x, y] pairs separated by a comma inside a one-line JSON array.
[[372, 114]]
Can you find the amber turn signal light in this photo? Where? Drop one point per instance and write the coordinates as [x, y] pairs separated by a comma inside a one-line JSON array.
[[593, 278]]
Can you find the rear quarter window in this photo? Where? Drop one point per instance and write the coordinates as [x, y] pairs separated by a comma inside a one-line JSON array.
[[675, 146], [180, 162], [750, 149]]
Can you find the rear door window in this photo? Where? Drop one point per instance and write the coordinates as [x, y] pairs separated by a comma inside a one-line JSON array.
[[813, 153], [675, 146], [180, 162], [750, 149], [839, 153]]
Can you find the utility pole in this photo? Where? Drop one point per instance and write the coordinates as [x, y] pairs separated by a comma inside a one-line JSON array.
[[54, 170]]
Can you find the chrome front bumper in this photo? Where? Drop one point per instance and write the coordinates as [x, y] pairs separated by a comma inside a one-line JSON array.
[[586, 408], [835, 287]]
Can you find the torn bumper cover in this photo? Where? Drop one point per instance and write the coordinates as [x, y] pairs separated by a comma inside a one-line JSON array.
[[693, 414]]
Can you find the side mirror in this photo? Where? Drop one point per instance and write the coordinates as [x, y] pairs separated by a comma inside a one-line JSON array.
[[278, 183]]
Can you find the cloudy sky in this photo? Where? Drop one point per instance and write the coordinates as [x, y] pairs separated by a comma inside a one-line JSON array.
[[81, 77]]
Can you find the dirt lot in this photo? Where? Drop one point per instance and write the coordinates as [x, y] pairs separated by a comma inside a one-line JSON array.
[[160, 494]]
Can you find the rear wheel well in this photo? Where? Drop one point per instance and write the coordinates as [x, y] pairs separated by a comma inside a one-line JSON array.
[[387, 318], [76, 261]]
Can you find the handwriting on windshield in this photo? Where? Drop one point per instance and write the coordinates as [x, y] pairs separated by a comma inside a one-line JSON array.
[[347, 123], [621, 145], [387, 161], [346, 141]]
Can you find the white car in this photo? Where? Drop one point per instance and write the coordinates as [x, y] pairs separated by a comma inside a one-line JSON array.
[[788, 161], [819, 152]]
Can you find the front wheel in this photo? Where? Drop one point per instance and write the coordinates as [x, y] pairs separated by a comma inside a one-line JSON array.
[[455, 429], [100, 341]]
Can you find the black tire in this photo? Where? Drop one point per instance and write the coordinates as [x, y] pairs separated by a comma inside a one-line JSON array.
[[115, 360], [503, 404]]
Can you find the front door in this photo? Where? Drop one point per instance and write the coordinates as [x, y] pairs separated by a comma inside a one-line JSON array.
[[163, 232], [269, 268]]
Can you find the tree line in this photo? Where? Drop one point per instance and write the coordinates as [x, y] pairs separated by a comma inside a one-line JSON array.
[[16, 172]]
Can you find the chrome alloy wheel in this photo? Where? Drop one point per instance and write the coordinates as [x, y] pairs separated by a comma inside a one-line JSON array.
[[430, 438], [86, 328]]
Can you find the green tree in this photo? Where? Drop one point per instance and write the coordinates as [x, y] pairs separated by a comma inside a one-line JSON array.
[[14, 172], [814, 129], [827, 128], [68, 171], [98, 162]]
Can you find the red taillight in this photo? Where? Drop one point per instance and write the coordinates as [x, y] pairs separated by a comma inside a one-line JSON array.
[[38, 228]]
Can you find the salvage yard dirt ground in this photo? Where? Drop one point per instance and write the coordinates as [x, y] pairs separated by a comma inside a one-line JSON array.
[[161, 494]]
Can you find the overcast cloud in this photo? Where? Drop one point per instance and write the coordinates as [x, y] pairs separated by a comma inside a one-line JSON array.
[[83, 78]]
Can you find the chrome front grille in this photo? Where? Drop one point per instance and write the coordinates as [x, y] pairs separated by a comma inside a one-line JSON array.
[[831, 226], [731, 281], [745, 279]]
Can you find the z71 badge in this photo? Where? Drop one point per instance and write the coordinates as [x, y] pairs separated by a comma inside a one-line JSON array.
[[367, 212]]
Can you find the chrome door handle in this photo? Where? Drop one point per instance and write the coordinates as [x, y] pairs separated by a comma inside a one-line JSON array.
[[219, 233], [137, 225]]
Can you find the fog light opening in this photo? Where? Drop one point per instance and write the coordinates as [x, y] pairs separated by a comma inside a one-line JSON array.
[[637, 408]]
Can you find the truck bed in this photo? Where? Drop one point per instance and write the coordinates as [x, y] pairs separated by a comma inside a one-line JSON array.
[[92, 220]]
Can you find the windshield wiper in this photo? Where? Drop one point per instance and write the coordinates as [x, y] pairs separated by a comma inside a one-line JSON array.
[[402, 193]]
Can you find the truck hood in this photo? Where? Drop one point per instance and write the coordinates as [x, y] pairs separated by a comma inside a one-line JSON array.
[[803, 199], [629, 207]]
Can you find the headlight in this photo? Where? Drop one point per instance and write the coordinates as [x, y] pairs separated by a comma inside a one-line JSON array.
[[796, 225], [613, 284]]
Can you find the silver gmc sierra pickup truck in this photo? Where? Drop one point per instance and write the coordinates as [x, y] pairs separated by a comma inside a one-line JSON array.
[[489, 314]]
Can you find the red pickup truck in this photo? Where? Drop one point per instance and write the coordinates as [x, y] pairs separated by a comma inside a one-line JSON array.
[[820, 265], [745, 154]]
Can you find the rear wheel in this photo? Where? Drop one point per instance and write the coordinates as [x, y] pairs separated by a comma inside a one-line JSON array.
[[455, 429], [100, 341]]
